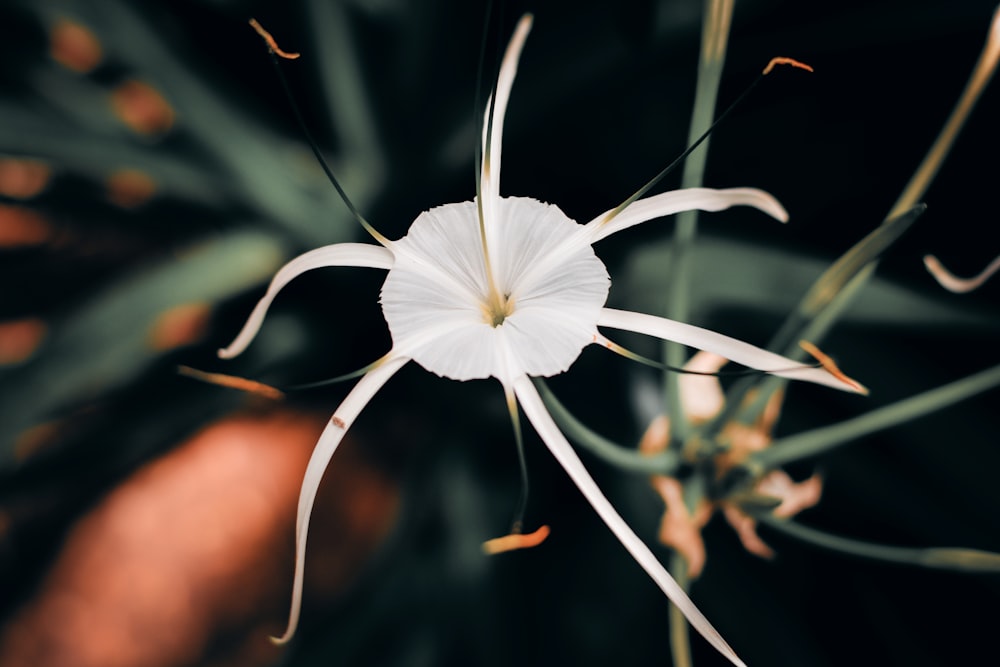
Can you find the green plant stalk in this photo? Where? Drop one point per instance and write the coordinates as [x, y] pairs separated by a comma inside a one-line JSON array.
[[680, 640], [714, 38], [941, 558], [345, 95], [664, 463], [820, 440], [819, 298], [824, 292]]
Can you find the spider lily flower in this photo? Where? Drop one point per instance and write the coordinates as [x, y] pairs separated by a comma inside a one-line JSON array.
[[510, 288]]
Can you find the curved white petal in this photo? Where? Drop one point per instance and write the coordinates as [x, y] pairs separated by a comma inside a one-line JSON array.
[[953, 283], [731, 348], [492, 145], [568, 459], [339, 254], [669, 203], [327, 445]]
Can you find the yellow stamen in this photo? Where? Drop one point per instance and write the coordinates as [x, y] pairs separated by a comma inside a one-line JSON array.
[[499, 545]]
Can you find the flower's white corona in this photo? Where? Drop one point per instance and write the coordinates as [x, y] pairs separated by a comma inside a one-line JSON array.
[[511, 291]]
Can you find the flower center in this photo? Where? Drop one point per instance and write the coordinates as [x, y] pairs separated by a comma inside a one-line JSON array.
[[535, 315], [497, 308]]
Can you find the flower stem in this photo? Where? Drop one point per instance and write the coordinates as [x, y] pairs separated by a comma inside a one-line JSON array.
[[961, 560], [714, 38], [914, 191], [680, 640], [664, 463], [817, 441]]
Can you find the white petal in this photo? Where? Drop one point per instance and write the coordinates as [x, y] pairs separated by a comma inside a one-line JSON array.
[[327, 445], [561, 449], [490, 180], [731, 348], [434, 298], [701, 395], [669, 203], [340, 254], [953, 283]]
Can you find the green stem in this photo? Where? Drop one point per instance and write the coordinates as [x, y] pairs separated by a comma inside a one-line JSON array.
[[680, 639], [947, 558], [908, 199], [817, 441], [664, 463], [714, 38]]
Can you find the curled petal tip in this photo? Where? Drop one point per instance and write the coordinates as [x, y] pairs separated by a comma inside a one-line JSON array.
[[953, 283], [279, 641]]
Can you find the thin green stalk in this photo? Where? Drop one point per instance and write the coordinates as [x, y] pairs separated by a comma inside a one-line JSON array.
[[714, 38], [680, 639], [820, 440], [344, 93], [941, 558], [811, 307], [664, 463], [822, 307]]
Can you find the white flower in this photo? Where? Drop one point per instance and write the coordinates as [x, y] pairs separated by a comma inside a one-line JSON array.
[[510, 291]]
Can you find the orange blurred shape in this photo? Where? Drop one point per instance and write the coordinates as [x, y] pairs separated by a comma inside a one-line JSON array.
[[515, 541], [178, 326], [20, 227], [22, 178], [142, 108], [189, 561], [233, 382], [129, 188], [74, 46], [19, 339]]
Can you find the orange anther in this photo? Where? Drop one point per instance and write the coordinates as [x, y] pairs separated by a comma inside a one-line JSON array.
[[23, 178], [142, 108], [74, 46], [129, 188], [19, 339], [499, 545], [233, 382], [786, 61], [178, 326], [271, 44], [21, 227], [829, 366]]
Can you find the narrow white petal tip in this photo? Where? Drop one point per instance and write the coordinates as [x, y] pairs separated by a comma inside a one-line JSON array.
[[280, 641], [225, 353], [772, 207], [953, 283]]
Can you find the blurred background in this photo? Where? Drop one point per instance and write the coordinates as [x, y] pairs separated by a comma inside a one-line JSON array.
[[152, 179]]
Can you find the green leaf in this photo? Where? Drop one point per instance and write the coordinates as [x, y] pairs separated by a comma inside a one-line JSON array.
[[105, 344]]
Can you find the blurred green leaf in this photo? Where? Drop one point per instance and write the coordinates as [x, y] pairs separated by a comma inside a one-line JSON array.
[[105, 343]]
